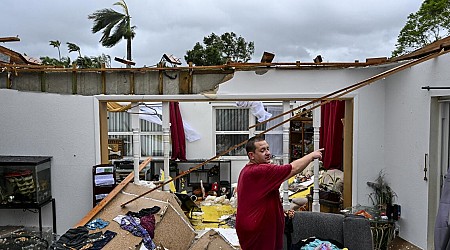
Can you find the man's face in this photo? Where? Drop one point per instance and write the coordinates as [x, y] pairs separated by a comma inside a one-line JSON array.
[[261, 154]]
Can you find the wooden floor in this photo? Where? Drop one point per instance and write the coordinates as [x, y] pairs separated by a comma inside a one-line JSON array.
[[400, 244]]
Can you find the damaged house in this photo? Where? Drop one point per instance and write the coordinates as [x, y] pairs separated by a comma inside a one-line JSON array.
[[394, 117]]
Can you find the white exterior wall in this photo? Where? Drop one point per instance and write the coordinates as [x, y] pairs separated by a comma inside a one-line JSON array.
[[52, 125]]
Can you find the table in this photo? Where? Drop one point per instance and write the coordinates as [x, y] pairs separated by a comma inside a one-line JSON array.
[[37, 206], [383, 230]]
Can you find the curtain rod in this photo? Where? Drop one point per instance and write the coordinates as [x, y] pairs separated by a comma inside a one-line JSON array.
[[428, 87]]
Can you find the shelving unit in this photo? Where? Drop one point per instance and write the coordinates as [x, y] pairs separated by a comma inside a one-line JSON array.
[[300, 137], [103, 181], [124, 167]]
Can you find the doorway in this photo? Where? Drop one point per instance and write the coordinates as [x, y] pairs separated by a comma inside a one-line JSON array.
[[437, 160]]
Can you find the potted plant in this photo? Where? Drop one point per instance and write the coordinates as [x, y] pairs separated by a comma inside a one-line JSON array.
[[382, 194], [329, 187]]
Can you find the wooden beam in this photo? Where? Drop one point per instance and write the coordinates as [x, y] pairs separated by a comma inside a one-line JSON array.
[[9, 39], [74, 79], [103, 76], [132, 85], [126, 62], [348, 153], [110, 196], [103, 123]]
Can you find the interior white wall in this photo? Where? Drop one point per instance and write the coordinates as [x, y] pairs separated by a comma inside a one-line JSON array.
[[199, 117], [369, 101], [58, 126], [407, 133], [307, 84], [368, 139]]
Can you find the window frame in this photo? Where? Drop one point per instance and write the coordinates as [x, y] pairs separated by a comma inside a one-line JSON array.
[[251, 132], [129, 134]]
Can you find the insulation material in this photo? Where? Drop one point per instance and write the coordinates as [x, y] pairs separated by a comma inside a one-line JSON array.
[[173, 229], [212, 240], [215, 212]]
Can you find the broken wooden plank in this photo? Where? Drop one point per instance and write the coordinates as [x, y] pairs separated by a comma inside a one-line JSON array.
[[111, 195], [9, 39]]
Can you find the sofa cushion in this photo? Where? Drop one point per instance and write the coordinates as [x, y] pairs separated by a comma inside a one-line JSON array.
[[357, 233], [324, 226]]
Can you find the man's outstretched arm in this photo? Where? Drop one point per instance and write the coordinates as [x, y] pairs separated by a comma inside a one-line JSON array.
[[300, 164]]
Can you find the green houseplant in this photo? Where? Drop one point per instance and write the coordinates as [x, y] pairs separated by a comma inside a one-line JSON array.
[[382, 194], [329, 187]]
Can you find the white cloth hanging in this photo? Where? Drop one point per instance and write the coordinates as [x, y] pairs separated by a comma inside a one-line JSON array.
[[257, 109], [152, 115]]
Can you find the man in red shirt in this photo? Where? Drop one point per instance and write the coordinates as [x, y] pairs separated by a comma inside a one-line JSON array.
[[259, 217]]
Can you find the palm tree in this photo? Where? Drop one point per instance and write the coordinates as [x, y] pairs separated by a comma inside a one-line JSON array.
[[56, 44], [107, 19], [73, 47]]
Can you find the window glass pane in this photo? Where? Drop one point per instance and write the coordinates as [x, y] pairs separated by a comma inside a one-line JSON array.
[[232, 120], [151, 145], [127, 143], [224, 142], [147, 126], [273, 137], [119, 122]]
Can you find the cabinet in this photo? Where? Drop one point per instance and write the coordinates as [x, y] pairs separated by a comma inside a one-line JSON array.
[[300, 137], [103, 181]]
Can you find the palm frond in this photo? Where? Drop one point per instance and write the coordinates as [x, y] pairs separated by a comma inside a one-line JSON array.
[[55, 43], [103, 18]]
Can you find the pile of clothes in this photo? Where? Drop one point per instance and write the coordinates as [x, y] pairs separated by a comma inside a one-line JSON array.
[[80, 239], [141, 224]]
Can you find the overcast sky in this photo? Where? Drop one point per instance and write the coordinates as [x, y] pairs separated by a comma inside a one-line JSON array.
[[340, 31]]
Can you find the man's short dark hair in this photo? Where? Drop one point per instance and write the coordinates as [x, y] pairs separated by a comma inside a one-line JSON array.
[[250, 146]]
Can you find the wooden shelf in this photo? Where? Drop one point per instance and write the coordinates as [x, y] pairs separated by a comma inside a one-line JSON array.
[[300, 137]]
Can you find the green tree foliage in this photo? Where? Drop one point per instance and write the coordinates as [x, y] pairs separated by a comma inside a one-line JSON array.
[[74, 48], [115, 26], [80, 61], [93, 62], [57, 44], [64, 62], [429, 24], [217, 50]]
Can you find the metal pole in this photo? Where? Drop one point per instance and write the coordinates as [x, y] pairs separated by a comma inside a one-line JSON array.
[[166, 140], [135, 125], [316, 125], [286, 107]]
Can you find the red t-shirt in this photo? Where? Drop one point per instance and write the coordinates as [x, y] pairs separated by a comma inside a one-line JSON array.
[[259, 217]]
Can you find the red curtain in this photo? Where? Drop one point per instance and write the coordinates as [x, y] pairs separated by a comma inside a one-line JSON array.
[[331, 134], [177, 132]]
